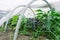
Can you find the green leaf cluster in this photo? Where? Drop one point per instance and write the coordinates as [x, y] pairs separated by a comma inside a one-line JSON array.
[[44, 24]]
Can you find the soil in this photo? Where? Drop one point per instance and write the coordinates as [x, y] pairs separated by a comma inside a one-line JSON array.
[[8, 35]]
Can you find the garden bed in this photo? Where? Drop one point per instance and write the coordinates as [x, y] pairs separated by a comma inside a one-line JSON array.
[[44, 26], [6, 35], [9, 36]]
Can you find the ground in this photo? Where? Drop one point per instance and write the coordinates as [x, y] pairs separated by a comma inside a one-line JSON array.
[[8, 35]]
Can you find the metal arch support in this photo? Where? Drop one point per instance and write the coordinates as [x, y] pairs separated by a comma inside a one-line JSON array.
[[13, 11], [19, 21], [9, 17], [36, 6], [48, 4]]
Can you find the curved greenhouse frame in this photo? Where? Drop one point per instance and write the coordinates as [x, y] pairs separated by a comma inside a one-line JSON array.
[[25, 7]]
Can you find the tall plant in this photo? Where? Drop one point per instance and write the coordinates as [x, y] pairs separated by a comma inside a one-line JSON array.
[[51, 20]]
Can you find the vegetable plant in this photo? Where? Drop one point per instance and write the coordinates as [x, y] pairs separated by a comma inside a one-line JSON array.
[[45, 24]]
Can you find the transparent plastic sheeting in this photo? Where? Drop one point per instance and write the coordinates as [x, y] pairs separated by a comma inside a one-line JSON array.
[[22, 12], [11, 4], [15, 3], [11, 13], [37, 4]]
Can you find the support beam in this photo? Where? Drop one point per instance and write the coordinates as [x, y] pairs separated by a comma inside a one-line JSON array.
[[20, 18]]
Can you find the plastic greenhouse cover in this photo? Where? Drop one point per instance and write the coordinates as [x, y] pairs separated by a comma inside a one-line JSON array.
[[11, 4]]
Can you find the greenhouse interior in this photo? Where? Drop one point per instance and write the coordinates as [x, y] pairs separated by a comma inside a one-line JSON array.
[[29, 19]]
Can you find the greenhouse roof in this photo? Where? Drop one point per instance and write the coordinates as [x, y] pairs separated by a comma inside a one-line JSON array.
[[11, 4]]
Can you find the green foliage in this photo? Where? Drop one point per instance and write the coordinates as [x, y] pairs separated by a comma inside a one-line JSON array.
[[14, 20], [44, 24], [51, 20], [1, 29]]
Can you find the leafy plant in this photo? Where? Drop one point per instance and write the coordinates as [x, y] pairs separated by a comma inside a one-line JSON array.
[[1, 29], [14, 20], [44, 24], [51, 20]]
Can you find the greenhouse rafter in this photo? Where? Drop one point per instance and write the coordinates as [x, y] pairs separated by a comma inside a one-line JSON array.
[[25, 7]]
